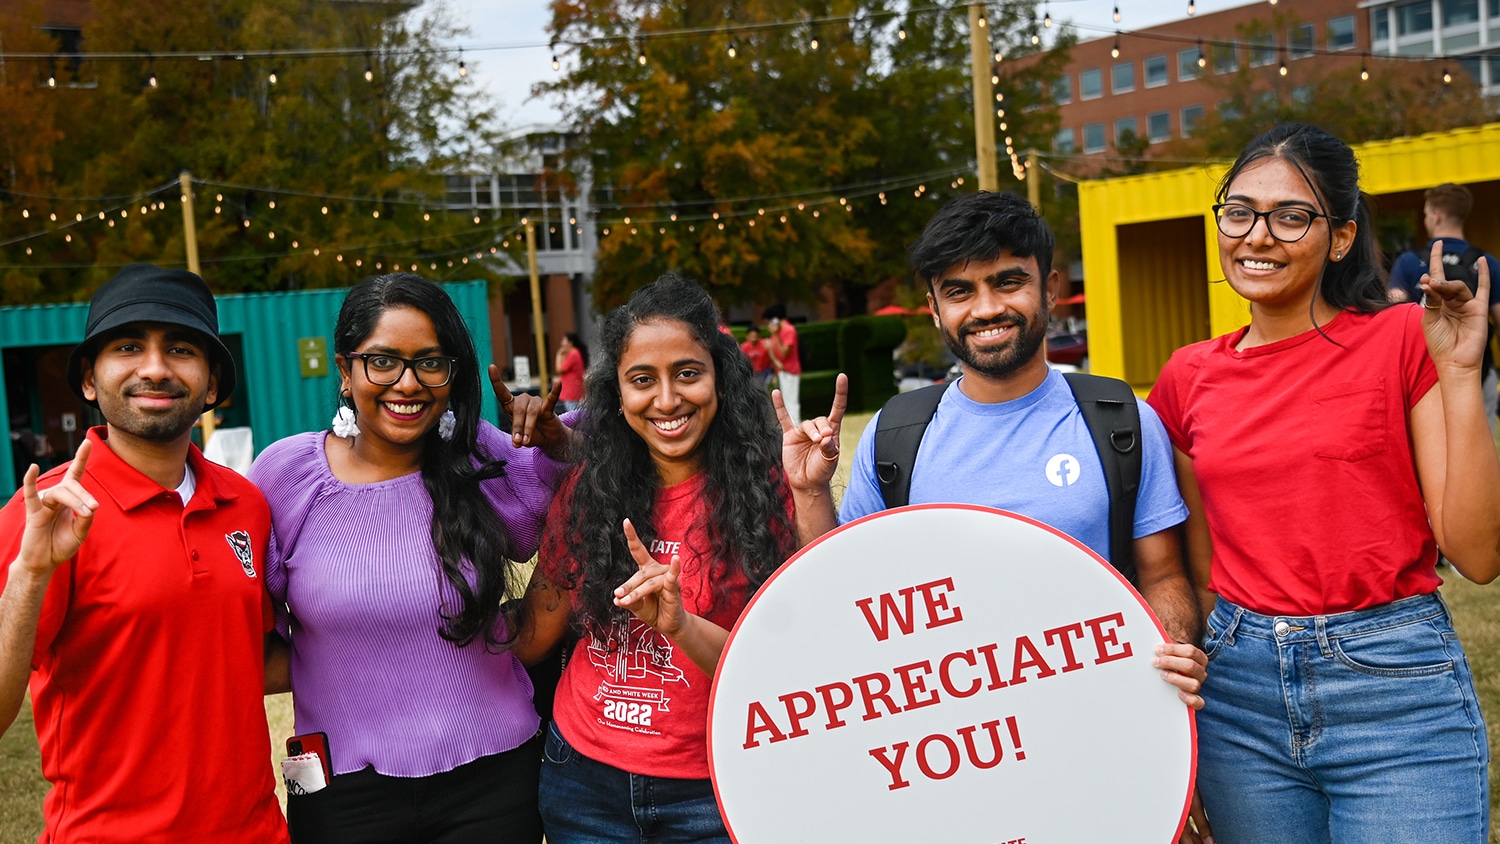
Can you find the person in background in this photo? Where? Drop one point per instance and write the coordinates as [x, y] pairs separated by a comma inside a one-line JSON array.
[[572, 360], [759, 356], [782, 343], [684, 501], [395, 537], [133, 596], [1445, 210], [1326, 452]]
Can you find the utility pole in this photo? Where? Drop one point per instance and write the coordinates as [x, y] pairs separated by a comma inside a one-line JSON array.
[[984, 99], [190, 238], [1033, 184], [537, 326]]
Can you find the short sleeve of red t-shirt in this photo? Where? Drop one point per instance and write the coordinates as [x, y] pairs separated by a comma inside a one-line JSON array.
[[1303, 457]]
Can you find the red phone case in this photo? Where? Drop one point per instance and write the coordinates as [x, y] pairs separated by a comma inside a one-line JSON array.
[[312, 743]]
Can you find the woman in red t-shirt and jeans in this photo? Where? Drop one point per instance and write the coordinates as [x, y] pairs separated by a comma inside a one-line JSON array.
[[683, 503], [1327, 451]]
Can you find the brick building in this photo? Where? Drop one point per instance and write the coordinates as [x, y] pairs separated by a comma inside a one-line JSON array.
[[1158, 83]]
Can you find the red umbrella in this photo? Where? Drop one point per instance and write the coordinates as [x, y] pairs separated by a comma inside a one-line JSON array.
[[891, 310]]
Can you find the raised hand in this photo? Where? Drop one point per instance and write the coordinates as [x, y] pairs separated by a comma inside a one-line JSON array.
[[1455, 320], [654, 593], [57, 518], [533, 419], [810, 451]]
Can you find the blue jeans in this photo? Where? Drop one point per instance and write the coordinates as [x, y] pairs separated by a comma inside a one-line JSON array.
[[589, 802], [1359, 726]]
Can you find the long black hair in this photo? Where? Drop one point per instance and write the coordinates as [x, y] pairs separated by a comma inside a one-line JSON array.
[[744, 504], [1327, 164], [467, 533]]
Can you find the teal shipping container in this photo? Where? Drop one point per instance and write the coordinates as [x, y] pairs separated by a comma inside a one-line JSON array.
[[281, 342]]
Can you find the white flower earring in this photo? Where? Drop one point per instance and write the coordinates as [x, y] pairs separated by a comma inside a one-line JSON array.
[[343, 421], [446, 423]]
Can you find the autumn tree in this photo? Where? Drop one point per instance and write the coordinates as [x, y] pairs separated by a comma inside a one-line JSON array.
[[771, 148], [328, 173]]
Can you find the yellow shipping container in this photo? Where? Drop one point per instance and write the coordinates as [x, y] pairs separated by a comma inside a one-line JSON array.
[[1151, 256]]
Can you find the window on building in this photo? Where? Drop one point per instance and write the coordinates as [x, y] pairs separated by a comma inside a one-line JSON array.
[[1380, 24], [1156, 71], [1474, 66], [1091, 84], [1159, 126], [1093, 137], [1226, 59], [1228, 110], [1262, 50], [1302, 41], [1122, 78], [1192, 118], [1456, 12], [1126, 129], [1494, 10], [1302, 95], [1412, 18], [1062, 90], [1341, 33], [1062, 142], [1187, 63]]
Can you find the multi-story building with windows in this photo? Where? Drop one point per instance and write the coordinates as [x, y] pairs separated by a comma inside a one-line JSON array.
[[1467, 30], [1157, 84]]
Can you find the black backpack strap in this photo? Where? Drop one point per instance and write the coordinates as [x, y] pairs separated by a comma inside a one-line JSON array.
[[898, 434], [1114, 420]]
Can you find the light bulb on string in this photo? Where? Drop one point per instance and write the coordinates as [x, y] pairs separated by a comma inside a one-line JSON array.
[[1114, 51], [901, 33], [733, 51], [272, 78], [151, 78], [1117, 13], [1192, 7], [1282, 69], [1047, 15], [641, 57], [1202, 59], [1447, 77], [813, 44], [999, 57], [369, 69], [994, 80], [463, 69], [52, 83], [1364, 69], [555, 63], [982, 22]]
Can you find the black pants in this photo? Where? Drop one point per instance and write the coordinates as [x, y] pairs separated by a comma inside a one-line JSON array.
[[491, 800]]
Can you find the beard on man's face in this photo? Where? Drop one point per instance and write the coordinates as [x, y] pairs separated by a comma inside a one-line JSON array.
[[1001, 361]]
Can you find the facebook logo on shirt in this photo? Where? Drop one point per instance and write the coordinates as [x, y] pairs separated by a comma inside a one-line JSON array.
[[1062, 470]]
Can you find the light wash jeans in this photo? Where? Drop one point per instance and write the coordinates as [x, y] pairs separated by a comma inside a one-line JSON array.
[[1354, 727], [588, 802]]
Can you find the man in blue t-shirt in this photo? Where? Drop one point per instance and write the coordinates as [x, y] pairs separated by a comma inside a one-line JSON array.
[[1445, 210], [1009, 433]]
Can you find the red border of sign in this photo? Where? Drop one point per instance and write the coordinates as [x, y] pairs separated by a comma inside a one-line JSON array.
[[713, 695]]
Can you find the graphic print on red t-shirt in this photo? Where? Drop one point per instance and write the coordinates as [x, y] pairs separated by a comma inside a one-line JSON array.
[[634, 652]]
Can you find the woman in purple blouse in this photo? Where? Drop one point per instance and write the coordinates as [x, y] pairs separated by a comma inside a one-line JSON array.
[[393, 541]]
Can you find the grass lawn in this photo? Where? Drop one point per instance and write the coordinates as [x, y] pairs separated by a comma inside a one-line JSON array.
[[1476, 611]]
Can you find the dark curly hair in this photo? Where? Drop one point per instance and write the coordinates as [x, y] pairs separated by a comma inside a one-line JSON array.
[[467, 533], [744, 499]]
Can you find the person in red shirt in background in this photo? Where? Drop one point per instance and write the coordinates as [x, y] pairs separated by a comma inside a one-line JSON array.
[[133, 600], [784, 356], [572, 359], [755, 349]]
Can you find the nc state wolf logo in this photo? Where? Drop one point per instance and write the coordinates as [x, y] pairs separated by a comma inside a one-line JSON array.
[[240, 542]]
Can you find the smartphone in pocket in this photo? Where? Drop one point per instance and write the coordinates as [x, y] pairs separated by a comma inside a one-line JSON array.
[[312, 743]]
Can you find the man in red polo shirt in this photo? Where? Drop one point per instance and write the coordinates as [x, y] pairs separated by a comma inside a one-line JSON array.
[[132, 597]]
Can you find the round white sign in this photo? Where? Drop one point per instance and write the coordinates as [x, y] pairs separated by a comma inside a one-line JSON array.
[[952, 674]]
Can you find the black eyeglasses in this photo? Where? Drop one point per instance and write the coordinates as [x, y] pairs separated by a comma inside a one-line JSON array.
[[384, 370], [1288, 225]]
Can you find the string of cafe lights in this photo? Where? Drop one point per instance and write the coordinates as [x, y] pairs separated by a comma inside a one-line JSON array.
[[689, 213]]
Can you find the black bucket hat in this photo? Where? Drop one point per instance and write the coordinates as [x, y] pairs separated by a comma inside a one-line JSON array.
[[144, 293]]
